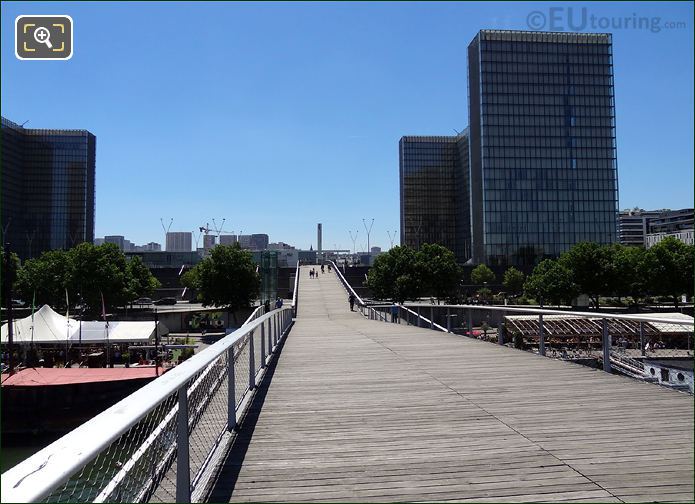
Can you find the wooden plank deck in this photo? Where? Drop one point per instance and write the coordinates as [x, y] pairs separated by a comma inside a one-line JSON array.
[[359, 410]]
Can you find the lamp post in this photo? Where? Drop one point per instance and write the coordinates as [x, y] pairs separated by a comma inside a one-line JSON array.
[[369, 230]]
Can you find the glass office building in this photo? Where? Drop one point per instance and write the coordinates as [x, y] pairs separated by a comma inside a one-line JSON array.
[[47, 188], [542, 144], [434, 192]]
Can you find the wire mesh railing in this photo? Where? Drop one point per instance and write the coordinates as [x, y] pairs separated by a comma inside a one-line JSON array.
[[162, 442]]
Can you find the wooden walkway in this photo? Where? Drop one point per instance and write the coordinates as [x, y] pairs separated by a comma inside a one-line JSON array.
[[359, 410]]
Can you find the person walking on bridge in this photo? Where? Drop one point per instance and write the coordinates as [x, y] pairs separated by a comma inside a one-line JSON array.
[[351, 300]]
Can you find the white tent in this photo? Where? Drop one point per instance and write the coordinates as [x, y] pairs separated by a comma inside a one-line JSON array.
[[50, 327]]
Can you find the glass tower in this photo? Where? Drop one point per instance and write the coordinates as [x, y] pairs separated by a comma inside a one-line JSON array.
[[542, 144], [434, 192], [47, 188]]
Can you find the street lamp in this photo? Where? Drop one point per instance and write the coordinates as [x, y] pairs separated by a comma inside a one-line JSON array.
[[369, 250]]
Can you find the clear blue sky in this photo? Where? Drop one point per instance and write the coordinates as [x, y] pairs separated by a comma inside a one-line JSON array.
[[279, 116]]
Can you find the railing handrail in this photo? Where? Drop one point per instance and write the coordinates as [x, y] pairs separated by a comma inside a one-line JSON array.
[[295, 293], [346, 285], [36, 477], [546, 311], [425, 318]]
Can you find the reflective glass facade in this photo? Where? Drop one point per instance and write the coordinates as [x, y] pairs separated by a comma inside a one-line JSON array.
[[542, 140], [434, 192], [47, 188]]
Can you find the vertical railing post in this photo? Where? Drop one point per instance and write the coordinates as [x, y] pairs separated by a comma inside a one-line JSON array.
[[263, 355], [541, 336], [641, 339], [501, 332], [448, 319], [418, 317], [606, 347], [431, 317], [270, 335], [252, 363], [231, 392], [470, 322], [183, 470]]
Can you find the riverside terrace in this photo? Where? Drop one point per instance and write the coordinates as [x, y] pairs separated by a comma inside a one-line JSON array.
[[353, 409]]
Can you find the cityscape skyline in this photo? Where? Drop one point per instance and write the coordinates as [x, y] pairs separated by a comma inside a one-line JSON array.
[[333, 157]]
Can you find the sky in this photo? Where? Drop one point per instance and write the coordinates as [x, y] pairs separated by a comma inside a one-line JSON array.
[[278, 116]]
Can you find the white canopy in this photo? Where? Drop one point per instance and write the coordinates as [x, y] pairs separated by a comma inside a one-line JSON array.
[[50, 327]]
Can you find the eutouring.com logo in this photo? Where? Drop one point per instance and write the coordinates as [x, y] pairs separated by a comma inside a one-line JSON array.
[[581, 19]]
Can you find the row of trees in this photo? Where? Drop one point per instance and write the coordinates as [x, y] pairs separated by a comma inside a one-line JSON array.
[[85, 272], [403, 273], [587, 268], [619, 271]]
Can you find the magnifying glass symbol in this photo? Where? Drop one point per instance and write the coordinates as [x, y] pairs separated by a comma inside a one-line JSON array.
[[43, 36]]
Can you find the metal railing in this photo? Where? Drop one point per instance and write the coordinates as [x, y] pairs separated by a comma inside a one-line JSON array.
[[163, 442]]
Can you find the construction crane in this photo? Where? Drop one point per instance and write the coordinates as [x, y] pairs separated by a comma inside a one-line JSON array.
[[205, 229]]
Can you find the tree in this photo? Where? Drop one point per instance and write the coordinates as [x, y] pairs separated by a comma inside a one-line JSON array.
[[87, 272], [439, 273], [513, 281], [10, 272], [627, 272], [226, 278], [395, 275], [669, 264], [481, 274], [99, 271], [590, 265], [551, 281], [142, 283]]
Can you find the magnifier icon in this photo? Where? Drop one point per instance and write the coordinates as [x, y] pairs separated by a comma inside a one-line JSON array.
[[43, 36]]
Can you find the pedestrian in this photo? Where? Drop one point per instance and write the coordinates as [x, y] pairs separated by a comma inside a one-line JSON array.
[[322, 269], [278, 303], [351, 300], [311, 273], [329, 268], [266, 305], [394, 314]]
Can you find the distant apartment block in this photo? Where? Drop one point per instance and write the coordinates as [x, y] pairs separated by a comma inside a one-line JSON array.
[[48, 185], [228, 239], [179, 241], [117, 240], [633, 225], [254, 241], [676, 223], [209, 241]]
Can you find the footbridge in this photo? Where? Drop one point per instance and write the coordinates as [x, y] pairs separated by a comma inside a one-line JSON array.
[[315, 402]]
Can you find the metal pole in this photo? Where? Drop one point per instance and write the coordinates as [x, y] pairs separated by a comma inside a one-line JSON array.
[[262, 346], [641, 339], [252, 363], [8, 305], [270, 336], [418, 316], [183, 471], [541, 336], [156, 341], [431, 317], [448, 319], [606, 347], [231, 392], [470, 322]]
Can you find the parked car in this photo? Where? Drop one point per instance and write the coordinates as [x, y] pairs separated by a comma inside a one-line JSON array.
[[166, 301], [142, 300]]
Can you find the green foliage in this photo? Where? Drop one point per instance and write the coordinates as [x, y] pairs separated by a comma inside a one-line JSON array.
[[591, 267], [401, 273], [439, 274], [142, 283], [513, 281], [85, 270], [12, 272], [226, 278], [394, 275], [669, 266], [551, 281], [628, 276], [482, 274]]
